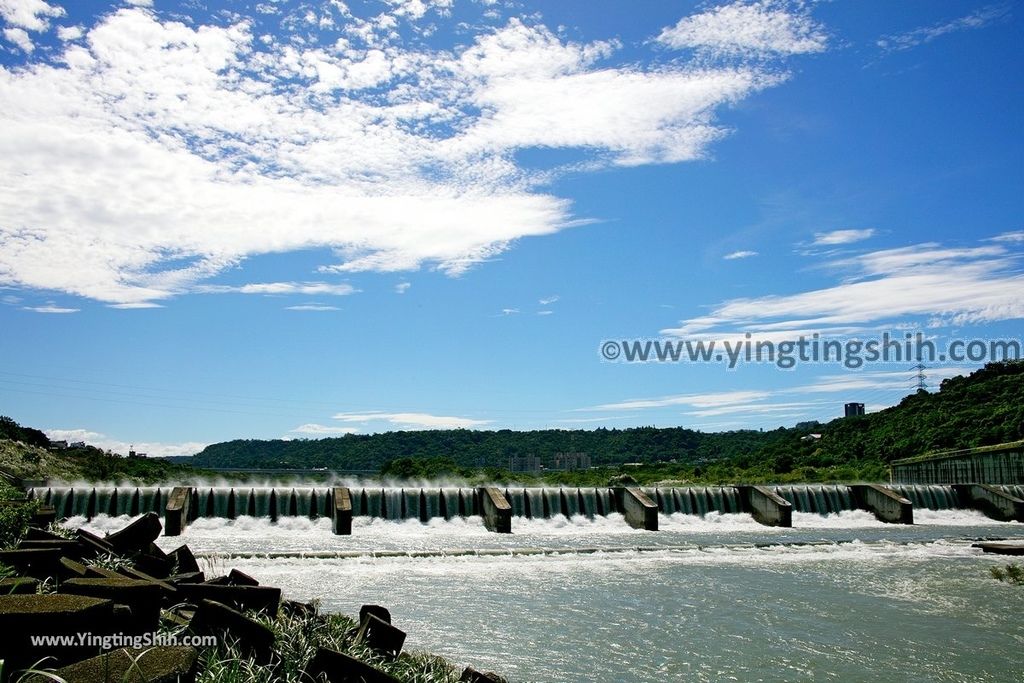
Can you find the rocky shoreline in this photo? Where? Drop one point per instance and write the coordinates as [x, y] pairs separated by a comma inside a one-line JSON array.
[[85, 608]]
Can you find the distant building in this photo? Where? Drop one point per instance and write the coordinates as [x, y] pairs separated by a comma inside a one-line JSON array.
[[810, 437], [854, 409], [571, 461], [524, 463], [58, 445], [76, 444]]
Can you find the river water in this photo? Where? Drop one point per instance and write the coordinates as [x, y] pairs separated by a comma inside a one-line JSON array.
[[840, 597]]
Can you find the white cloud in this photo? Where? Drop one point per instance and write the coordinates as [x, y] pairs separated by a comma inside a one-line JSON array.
[[547, 301], [961, 285], [402, 287], [150, 448], [708, 400], [394, 157], [50, 308], [140, 3], [281, 288], [67, 33], [765, 27], [739, 254], [412, 420], [926, 34], [789, 409], [509, 311], [137, 305], [322, 430], [33, 15], [545, 312], [1013, 237], [311, 307], [842, 236], [20, 37]]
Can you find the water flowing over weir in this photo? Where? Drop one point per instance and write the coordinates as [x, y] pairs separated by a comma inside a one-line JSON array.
[[428, 503], [90, 501]]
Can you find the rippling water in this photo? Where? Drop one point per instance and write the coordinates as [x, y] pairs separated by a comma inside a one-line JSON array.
[[836, 598]]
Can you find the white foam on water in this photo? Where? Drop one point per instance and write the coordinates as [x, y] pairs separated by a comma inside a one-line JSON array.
[[711, 522], [845, 519], [574, 526], [925, 516], [100, 524]]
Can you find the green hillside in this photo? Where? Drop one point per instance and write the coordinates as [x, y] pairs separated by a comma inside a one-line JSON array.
[[984, 408]]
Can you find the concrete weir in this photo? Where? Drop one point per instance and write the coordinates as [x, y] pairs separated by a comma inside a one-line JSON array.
[[993, 502], [496, 511], [884, 503], [766, 506], [638, 509]]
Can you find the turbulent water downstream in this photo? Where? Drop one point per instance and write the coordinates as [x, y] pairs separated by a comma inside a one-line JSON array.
[[839, 597]]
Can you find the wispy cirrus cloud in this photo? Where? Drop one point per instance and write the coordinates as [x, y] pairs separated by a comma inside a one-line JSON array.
[[50, 308], [281, 288], [957, 285], [745, 253], [312, 307], [836, 237], [978, 19], [227, 143]]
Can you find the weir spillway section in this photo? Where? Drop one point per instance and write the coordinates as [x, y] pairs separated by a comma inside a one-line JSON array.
[[498, 507]]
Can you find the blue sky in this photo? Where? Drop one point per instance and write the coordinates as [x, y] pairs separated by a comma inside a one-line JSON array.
[[281, 219]]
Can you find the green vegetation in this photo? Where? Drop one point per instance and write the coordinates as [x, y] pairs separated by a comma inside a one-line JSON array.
[[479, 449], [982, 409], [297, 636], [1011, 573], [27, 459], [14, 516]]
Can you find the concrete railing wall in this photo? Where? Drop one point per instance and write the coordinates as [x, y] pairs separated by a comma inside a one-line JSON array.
[[766, 506], [990, 465], [176, 513], [991, 501], [638, 509], [341, 511], [885, 504], [496, 511]]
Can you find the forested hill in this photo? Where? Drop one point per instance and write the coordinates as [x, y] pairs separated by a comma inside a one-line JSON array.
[[984, 408], [477, 448]]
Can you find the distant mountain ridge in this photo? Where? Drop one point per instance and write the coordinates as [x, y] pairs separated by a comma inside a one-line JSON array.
[[984, 408]]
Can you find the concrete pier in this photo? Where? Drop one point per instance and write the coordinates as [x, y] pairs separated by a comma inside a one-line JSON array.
[[993, 502], [766, 506], [496, 511], [341, 511], [884, 503], [639, 510], [176, 514]]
